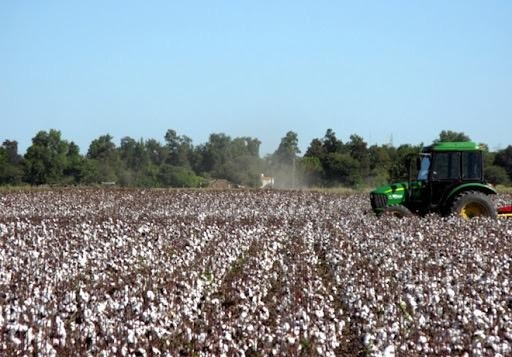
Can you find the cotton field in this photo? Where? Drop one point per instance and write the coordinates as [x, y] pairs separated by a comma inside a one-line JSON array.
[[135, 272]]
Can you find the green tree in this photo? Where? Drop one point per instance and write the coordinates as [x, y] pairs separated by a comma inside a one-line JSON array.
[[236, 160], [75, 168], [156, 152], [213, 155], [331, 143], [105, 160], [243, 165], [46, 158], [102, 148], [252, 145], [503, 158], [401, 161], [448, 135], [316, 149], [178, 176], [180, 149], [358, 150], [342, 168], [10, 148], [288, 149], [496, 175], [345, 164], [284, 161], [11, 169], [133, 154], [380, 163], [310, 171]]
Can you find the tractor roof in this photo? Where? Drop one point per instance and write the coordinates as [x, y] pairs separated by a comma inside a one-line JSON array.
[[453, 146]]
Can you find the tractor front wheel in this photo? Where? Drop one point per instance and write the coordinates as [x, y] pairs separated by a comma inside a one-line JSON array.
[[398, 211], [471, 204]]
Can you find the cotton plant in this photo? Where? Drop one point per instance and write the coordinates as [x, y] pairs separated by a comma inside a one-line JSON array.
[[132, 272]]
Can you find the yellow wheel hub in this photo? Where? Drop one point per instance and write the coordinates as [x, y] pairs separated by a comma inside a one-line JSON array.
[[472, 209]]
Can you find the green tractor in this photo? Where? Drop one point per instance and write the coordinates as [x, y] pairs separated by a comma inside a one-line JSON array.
[[450, 180]]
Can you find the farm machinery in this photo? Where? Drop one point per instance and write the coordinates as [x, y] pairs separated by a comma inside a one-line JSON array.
[[449, 180]]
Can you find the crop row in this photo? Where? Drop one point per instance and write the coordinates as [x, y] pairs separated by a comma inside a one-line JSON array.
[[106, 272]]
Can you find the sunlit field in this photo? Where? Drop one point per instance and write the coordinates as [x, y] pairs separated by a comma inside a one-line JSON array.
[[135, 272]]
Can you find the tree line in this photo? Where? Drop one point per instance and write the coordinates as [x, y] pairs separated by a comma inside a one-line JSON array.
[[177, 162]]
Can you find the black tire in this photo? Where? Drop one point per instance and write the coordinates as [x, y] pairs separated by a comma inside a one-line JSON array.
[[396, 211], [471, 204]]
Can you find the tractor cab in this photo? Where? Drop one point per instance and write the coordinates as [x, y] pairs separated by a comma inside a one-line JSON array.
[[447, 177]]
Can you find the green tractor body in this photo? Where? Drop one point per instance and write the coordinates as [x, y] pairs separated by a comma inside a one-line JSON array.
[[449, 180]]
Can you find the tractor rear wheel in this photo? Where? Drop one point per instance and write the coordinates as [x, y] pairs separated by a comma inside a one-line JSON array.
[[471, 204], [398, 211]]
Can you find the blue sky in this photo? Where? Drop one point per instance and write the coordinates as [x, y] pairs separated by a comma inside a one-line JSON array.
[[382, 69]]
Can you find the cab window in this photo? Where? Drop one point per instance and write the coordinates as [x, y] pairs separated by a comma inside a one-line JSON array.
[[471, 165], [424, 166], [446, 166]]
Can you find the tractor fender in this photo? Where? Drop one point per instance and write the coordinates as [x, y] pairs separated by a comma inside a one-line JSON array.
[[488, 190]]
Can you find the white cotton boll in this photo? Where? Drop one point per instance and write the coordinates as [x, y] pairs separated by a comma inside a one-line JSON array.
[[319, 313], [84, 295], [290, 340], [7, 276], [368, 339], [48, 350], [269, 338], [82, 260], [264, 315], [61, 330], [15, 340], [88, 314], [202, 337], [479, 334], [412, 302], [131, 336], [101, 307], [3, 229], [451, 293], [478, 314], [30, 336], [150, 295], [389, 351]]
